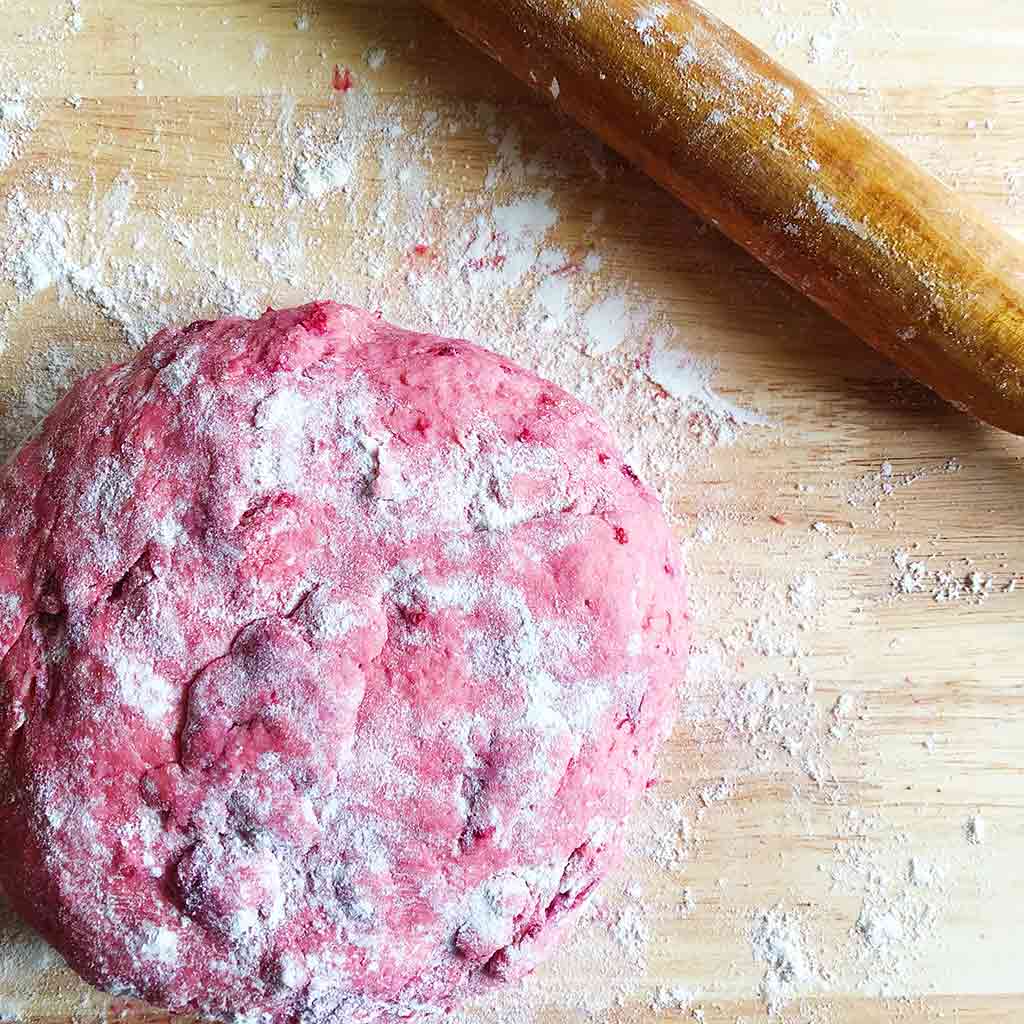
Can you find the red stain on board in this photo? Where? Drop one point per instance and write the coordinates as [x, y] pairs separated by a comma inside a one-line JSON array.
[[341, 80]]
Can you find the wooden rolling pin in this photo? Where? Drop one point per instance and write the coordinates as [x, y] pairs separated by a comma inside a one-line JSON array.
[[830, 208]]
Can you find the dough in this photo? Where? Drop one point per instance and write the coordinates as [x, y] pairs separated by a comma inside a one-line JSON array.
[[333, 659]]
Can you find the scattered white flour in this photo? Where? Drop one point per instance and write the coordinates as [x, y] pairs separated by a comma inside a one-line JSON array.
[[37, 258], [803, 594], [946, 586], [24, 959], [689, 380], [649, 21], [687, 57], [911, 575], [827, 207], [16, 124], [822, 48], [320, 171], [607, 324], [923, 872], [825, 42], [50, 373], [631, 932], [496, 224], [778, 940], [976, 830], [1015, 187], [676, 997], [375, 58]]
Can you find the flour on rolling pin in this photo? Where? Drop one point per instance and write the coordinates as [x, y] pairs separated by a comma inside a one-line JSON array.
[[827, 206]]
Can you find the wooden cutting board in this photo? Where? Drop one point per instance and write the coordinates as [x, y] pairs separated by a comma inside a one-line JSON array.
[[935, 730]]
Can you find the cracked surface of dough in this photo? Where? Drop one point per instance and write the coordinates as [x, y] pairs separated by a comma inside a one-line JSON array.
[[332, 659]]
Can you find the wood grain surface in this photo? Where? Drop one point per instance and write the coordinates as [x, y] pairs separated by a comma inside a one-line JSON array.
[[938, 688]]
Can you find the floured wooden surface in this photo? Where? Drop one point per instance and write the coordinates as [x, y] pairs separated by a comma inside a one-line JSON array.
[[840, 827]]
